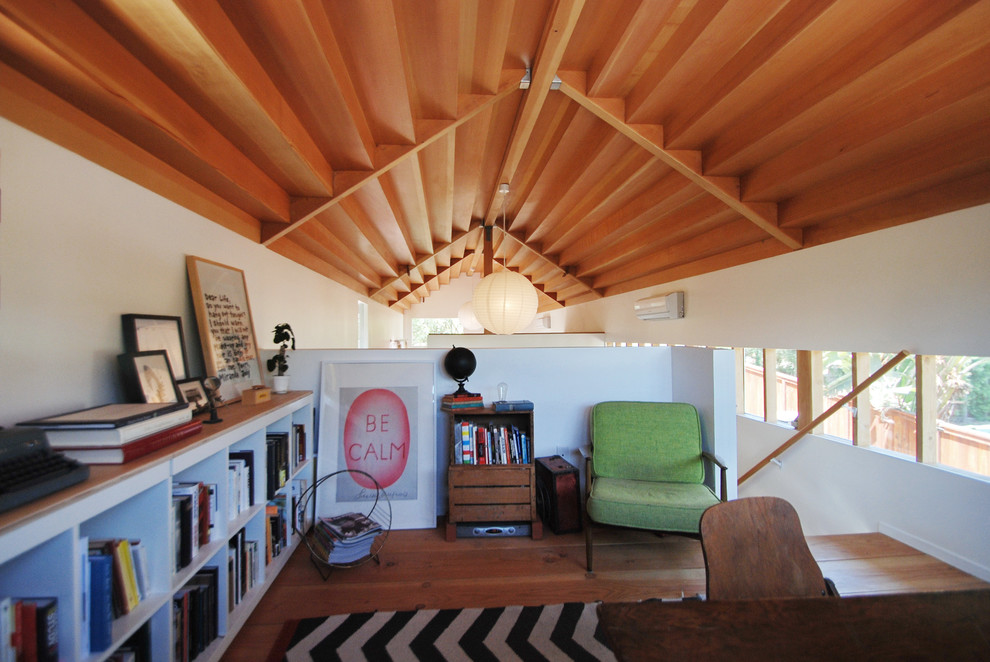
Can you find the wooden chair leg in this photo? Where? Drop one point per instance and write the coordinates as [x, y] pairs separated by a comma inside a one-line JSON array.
[[587, 542]]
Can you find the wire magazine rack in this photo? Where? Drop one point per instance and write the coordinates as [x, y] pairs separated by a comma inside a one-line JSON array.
[[379, 509]]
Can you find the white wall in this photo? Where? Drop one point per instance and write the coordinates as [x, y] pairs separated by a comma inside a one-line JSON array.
[[564, 383], [79, 246], [920, 287], [838, 488]]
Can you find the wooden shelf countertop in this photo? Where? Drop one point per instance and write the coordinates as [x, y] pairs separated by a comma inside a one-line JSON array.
[[102, 476]]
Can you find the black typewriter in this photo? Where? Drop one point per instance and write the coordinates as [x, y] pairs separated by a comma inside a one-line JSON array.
[[30, 469]]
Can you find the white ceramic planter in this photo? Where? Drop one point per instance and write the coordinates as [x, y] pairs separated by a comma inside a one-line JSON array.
[[280, 384]]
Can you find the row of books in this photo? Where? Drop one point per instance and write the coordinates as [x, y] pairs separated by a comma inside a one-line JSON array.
[[195, 617], [277, 467], [493, 444], [196, 510], [243, 568], [299, 442], [278, 523], [29, 629], [98, 442], [240, 482], [345, 538]]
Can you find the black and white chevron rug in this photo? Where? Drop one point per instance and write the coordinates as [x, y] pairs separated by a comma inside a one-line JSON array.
[[553, 632]]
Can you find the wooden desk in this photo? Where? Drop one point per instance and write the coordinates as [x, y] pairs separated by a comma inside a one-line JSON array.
[[918, 626]]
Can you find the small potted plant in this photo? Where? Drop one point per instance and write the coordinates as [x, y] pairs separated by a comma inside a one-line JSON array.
[[279, 363]]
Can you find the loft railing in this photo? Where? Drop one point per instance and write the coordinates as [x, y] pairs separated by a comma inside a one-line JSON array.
[[865, 384]]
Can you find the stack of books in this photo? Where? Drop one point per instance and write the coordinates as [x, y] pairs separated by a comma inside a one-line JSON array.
[[118, 433], [459, 402], [346, 538]]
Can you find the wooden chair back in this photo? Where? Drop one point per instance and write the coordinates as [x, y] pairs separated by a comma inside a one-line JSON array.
[[755, 548]]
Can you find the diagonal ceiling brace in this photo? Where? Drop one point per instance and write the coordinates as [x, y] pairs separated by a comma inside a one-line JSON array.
[[686, 162]]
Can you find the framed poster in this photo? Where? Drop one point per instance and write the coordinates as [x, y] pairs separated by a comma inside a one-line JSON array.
[[226, 330], [379, 418]]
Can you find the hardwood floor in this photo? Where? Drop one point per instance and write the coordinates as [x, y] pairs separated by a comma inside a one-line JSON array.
[[420, 570]]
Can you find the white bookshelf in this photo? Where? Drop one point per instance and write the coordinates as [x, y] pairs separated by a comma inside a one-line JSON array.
[[42, 543]]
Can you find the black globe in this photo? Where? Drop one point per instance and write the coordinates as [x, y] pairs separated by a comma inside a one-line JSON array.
[[460, 363]]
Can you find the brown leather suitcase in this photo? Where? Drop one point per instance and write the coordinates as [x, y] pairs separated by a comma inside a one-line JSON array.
[[558, 494]]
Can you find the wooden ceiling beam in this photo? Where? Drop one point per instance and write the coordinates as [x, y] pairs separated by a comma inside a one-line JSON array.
[[559, 28], [719, 239], [322, 240], [760, 250], [686, 162], [669, 194], [198, 40], [593, 188], [290, 249], [460, 237], [346, 183], [73, 34], [549, 261], [697, 216], [306, 31], [35, 108], [429, 283]]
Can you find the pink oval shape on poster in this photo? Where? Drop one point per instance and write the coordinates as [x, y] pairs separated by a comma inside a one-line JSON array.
[[376, 437]]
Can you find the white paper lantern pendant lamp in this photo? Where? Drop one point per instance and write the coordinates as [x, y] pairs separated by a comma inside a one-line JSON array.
[[505, 302]]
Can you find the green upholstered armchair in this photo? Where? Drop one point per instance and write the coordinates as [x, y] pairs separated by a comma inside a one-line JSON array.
[[646, 469]]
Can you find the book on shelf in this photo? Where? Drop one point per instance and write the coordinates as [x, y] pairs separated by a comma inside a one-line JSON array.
[[125, 592], [131, 450], [100, 602], [139, 555], [182, 508], [241, 466], [200, 493], [180, 625], [512, 405], [106, 416], [84, 581], [29, 629], [203, 597], [137, 647], [299, 442], [67, 436], [277, 467]]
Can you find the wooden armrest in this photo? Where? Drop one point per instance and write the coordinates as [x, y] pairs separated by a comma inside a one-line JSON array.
[[724, 482], [714, 458], [587, 477]]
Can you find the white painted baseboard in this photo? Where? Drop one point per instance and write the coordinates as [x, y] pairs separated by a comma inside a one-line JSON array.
[[942, 554]]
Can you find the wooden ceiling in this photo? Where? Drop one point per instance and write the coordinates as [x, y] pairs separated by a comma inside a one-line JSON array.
[[655, 140]]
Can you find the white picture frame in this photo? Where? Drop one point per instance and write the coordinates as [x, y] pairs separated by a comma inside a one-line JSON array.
[[375, 395]]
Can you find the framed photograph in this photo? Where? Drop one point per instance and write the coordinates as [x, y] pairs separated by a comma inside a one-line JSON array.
[[143, 333], [192, 391], [379, 418], [226, 329], [148, 377]]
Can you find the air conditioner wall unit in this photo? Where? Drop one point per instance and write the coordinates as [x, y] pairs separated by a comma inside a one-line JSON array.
[[663, 307]]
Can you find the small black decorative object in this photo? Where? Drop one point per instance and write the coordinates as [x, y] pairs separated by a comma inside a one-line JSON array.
[[460, 364], [212, 387]]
